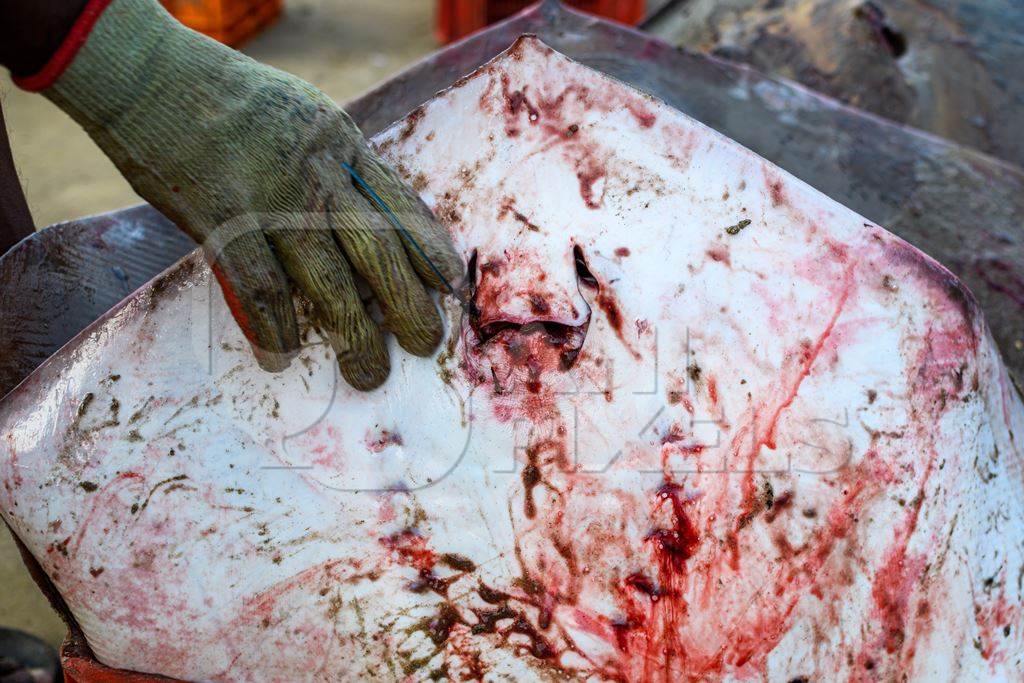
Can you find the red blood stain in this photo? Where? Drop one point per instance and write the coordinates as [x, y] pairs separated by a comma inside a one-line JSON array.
[[550, 110], [555, 124], [894, 583], [610, 307], [644, 117], [650, 636], [516, 101], [676, 544], [262, 608], [782, 502], [673, 435], [996, 618], [547, 452], [508, 206], [12, 476], [530, 477], [891, 591], [720, 254], [412, 122], [776, 191], [942, 289], [384, 439], [608, 303], [490, 267], [944, 367], [622, 252], [589, 173], [538, 305], [645, 585], [547, 114], [409, 548], [760, 432], [448, 626]]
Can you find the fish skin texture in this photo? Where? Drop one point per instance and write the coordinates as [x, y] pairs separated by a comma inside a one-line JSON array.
[[663, 443]]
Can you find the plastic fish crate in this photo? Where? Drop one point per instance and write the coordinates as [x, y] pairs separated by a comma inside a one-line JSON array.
[[458, 18], [229, 21]]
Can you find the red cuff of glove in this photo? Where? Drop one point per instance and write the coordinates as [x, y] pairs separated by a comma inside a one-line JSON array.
[[65, 54]]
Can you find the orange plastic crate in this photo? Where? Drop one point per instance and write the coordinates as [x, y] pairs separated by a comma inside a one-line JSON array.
[[458, 18], [229, 21]]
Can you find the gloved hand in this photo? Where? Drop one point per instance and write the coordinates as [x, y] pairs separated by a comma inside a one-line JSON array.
[[247, 160]]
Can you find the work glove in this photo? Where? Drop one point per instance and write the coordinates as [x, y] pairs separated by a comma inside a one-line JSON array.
[[250, 162]]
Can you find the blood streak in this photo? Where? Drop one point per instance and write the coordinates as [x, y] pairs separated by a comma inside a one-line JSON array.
[[377, 443], [776, 190], [606, 300], [610, 307], [996, 621], [656, 638], [550, 452], [676, 544], [590, 173], [531, 477], [515, 101], [508, 205], [643, 116], [713, 392], [894, 582], [408, 547], [650, 637], [757, 434], [548, 114]]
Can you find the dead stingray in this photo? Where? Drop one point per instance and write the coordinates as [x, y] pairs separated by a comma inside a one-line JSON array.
[[699, 422]]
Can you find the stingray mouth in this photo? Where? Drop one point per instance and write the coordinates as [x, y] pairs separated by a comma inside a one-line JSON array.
[[523, 340], [521, 348]]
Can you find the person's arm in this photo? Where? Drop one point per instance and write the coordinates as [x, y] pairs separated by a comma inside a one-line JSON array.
[[29, 33], [15, 219], [32, 30], [253, 163]]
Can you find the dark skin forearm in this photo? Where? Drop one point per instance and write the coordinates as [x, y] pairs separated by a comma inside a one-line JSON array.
[[32, 30], [15, 220]]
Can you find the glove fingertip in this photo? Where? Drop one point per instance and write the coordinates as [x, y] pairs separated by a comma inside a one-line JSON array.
[[273, 361], [364, 377], [422, 338], [362, 354]]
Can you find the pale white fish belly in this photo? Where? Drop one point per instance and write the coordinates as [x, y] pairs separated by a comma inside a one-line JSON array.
[[701, 423]]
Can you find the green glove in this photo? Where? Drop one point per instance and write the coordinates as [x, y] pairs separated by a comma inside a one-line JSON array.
[[247, 160]]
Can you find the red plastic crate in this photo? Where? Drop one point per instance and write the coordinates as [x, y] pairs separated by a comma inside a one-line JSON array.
[[458, 18], [229, 21]]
